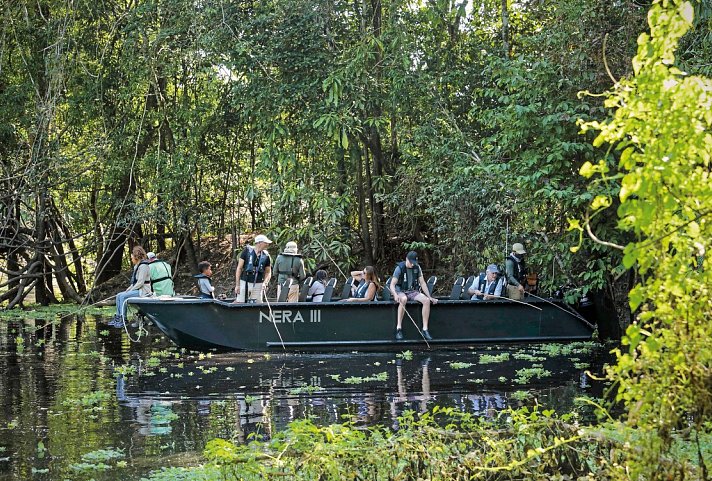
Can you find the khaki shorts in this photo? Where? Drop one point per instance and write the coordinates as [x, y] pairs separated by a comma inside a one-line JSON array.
[[513, 293]]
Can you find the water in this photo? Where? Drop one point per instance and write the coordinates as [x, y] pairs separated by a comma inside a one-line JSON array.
[[82, 401]]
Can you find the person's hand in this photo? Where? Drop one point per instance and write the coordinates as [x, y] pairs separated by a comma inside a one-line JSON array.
[[433, 300], [521, 288], [402, 300], [478, 292], [237, 289]]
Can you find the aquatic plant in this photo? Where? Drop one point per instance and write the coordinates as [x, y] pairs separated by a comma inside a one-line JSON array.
[[383, 376], [405, 355], [494, 358], [461, 365], [523, 376]]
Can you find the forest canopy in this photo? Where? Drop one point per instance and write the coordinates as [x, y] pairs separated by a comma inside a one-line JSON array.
[[359, 129]]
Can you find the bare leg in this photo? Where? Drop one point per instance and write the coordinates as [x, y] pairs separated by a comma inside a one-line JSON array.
[[425, 301], [402, 299]]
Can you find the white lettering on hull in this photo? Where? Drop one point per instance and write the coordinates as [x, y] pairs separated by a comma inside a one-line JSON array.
[[288, 317]]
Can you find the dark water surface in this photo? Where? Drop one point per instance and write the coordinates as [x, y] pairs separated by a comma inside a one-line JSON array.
[[81, 401]]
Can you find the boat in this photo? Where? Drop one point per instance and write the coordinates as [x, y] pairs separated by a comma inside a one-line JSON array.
[[220, 325]]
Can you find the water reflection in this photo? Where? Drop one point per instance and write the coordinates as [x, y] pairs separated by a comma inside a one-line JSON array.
[[77, 387]]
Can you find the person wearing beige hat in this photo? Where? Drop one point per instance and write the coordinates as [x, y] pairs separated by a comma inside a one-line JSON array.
[[289, 265], [253, 271], [516, 271]]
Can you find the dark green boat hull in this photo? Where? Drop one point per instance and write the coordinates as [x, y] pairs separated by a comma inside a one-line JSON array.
[[204, 324]]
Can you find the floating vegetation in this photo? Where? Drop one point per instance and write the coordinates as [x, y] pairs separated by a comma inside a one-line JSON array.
[[358, 380], [304, 389], [521, 395], [461, 365], [89, 402], [492, 359], [528, 357], [98, 460], [125, 370], [523, 376], [405, 355]]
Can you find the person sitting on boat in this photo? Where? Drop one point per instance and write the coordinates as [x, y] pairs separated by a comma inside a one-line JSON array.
[[318, 287], [161, 277], [516, 271], [205, 287], [404, 287], [253, 271], [289, 265], [487, 285], [366, 290], [356, 280], [140, 285]]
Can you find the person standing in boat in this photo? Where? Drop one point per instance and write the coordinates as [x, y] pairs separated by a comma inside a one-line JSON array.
[[404, 287], [318, 287], [487, 286], [516, 271], [367, 289], [253, 271], [207, 291], [140, 285], [289, 265]]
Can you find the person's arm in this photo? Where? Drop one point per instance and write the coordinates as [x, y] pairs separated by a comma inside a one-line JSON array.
[[302, 272], [267, 276], [509, 268], [392, 284], [143, 275], [472, 290], [238, 273]]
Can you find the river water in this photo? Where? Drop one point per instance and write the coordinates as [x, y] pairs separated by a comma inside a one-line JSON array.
[[82, 401]]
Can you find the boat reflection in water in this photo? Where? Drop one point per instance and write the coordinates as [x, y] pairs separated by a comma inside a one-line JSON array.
[[257, 393]]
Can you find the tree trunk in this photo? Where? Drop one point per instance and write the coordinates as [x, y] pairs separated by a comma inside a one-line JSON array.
[[505, 27]]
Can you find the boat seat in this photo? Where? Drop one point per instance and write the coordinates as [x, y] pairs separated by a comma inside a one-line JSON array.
[[457, 288], [284, 290], [329, 290], [386, 294], [465, 296], [346, 291], [304, 290], [431, 285]]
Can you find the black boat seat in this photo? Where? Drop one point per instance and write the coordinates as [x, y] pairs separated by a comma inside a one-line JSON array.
[[457, 288], [386, 294], [304, 290], [284, 290], [346, 291], [329, 290], [465, 296], [431, 285]]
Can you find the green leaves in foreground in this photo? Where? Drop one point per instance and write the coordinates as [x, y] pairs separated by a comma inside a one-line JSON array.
[[444, 444], [661, 125]]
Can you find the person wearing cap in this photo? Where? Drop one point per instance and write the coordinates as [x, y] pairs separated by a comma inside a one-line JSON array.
[[289, 265], [404, 287], [487, 286], [516, 271], [253, 271], [161, 277]]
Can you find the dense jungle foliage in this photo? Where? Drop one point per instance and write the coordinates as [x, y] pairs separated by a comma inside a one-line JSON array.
[[370, 127], [359, 129]]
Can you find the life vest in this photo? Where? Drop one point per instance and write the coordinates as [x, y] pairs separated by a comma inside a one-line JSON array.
[[203, 295], [161, 279], [402, 281], [520, 269], [482, 283], [290, 272], [362, 289], [134, 273], [254, 266]]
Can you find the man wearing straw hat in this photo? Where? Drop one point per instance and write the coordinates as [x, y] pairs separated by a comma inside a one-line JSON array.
[[516, 271]]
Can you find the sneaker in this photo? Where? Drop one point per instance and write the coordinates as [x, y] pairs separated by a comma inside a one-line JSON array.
[[426, 335], [399, 334]]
